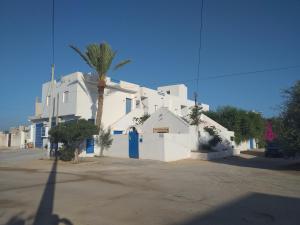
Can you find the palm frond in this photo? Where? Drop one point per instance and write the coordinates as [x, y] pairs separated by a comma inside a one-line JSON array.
[[93, 52], [106, 57], [83, 56], [122, 63]]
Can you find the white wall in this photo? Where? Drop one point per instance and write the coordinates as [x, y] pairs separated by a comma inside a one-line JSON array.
[[179, 90], [163, 118], [152, 147], [245, 145], [119, 147], [162, 147], [176, 147], [126, 121]]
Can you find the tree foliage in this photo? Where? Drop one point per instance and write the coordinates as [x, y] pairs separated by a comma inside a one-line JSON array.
[[245, 124], [195, 115], [287, 125], [141, 120], [215, 137], [72, 134], [104, 139], [100, 57]]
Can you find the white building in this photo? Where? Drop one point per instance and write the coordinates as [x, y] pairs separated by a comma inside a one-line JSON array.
[[75, 96], [164, 136]]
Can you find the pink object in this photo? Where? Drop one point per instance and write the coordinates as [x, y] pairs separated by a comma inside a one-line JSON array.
[[269, 134]]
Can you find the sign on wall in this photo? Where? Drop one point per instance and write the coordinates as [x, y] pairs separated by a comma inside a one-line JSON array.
[[161, 130]]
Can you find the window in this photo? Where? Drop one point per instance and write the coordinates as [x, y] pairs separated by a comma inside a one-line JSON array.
[[128, 105], [48, 100], [66, 97]]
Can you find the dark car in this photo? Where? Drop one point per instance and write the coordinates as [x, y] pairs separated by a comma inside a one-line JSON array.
[[273, 150]]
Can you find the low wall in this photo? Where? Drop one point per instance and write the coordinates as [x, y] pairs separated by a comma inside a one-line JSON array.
[[211, 155], [162, 147], [119, 147], [152, 147], [176, 147], [3, 140]]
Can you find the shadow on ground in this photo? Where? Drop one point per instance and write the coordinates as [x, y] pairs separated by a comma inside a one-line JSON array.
[[254, 209], [44, 215], [261, 162]]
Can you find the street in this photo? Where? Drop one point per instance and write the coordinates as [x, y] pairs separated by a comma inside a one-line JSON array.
[[234, 191]]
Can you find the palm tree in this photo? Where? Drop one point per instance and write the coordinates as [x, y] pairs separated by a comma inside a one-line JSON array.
[[99, 57]]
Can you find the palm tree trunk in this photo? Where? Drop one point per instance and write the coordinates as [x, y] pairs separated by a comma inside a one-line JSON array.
[[101, 87]]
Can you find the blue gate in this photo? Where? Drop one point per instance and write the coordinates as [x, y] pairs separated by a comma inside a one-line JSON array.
[[90, 145], [133, 144]]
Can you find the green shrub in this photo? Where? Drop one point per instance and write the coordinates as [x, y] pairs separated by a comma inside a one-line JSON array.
[[66, 154], [214, 141]]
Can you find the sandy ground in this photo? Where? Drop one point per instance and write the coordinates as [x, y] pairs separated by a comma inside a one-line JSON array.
[[111, 191]]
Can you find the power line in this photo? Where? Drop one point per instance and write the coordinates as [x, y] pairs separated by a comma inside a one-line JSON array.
[[200, 47], [53, 5], [223, 76], [249, 73]]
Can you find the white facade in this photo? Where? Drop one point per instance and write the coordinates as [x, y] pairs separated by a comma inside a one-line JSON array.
[[165, 136], [75, 96]]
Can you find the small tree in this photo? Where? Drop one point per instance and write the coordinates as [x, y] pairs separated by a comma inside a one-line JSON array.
[[140, 120], [104, 139], [195, 115], [72, 134], [289, 120], [245, 124]]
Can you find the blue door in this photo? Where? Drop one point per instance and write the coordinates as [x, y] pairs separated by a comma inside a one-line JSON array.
[[38, 135], [90, 145], [128, 105], [133, 144], [251, 143]]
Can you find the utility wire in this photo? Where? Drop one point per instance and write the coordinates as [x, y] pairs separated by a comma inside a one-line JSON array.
[[53, 5], [249, 73], [223, 76], [200, 47]]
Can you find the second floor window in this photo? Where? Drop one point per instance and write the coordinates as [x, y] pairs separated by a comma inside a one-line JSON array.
[[66, 96]]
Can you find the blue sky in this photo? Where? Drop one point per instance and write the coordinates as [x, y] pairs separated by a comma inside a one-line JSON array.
[[162, 39]]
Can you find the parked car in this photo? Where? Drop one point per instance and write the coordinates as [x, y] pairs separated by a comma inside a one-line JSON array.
[[273, 150]]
